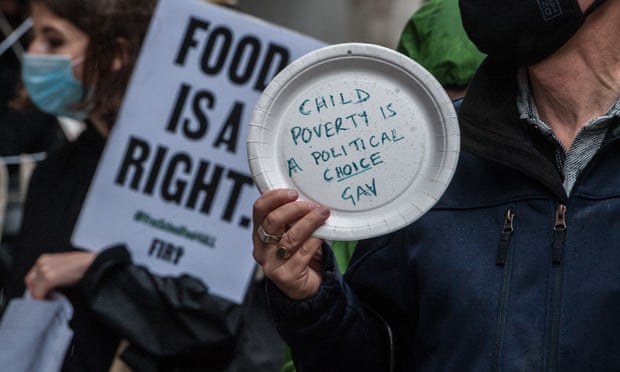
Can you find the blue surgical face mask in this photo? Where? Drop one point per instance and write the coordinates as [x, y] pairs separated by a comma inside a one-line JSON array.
[[51, 85]]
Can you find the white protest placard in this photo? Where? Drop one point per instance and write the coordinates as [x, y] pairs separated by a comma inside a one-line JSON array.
[[173, 182]]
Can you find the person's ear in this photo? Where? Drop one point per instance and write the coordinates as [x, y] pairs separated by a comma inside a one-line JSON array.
[[122, 55]]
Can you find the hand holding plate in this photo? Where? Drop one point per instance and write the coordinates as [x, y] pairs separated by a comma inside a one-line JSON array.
[[293, 264]]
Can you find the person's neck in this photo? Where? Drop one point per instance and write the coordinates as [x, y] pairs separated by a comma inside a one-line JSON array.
[[579, 82]]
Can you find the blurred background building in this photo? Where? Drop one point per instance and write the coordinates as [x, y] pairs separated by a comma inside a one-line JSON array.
[[337, 21]]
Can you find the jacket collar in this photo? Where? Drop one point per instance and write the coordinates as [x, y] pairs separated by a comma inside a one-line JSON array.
[[491, 128]]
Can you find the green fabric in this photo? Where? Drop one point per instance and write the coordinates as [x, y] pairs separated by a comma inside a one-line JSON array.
[[434, 37], [289, 365], [343, 252]]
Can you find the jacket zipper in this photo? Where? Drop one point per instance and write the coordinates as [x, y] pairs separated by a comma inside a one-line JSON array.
[[504, 241], [557, 248], [559, 233], [503, 259]]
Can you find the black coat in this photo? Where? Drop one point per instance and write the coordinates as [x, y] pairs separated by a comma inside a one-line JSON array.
[[505, 273], [171, 323]]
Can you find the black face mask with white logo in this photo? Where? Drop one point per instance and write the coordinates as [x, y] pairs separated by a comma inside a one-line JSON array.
[[522, 31]]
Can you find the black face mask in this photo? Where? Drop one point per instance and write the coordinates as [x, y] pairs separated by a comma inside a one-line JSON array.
[[522, 31]]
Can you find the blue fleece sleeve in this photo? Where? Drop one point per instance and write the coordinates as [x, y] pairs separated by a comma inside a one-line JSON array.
[[331, 331]]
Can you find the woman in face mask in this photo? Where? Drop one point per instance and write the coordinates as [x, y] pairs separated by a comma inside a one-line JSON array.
[[52, 70], [78, 64]]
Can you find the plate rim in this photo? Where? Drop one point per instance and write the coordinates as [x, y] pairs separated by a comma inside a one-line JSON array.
[[444, 107]]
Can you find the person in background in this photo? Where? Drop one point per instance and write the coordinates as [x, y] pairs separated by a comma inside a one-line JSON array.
[[434, 37], [78, 65], [516, 266], [25, 131], [30, 132]]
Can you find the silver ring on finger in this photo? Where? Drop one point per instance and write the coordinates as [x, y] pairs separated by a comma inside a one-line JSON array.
[[266, 237]]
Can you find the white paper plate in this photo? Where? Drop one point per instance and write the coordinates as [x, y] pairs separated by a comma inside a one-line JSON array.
[[360, 128]]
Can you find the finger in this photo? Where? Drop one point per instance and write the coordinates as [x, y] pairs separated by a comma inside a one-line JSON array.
[[303, 229], [316, 263], [309, 254], [276, 223], [281, 218], [36, 271], [37, 285], [271, 200], [299, 275], [298, 242], [30, 277], [294, 276]]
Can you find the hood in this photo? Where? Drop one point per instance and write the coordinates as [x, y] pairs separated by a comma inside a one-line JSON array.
[[435, 38]]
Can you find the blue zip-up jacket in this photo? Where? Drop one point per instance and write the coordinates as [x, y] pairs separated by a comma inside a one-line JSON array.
[[505, 273]]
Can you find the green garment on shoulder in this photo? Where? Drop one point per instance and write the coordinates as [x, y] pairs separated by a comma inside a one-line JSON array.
[[435, 38]]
